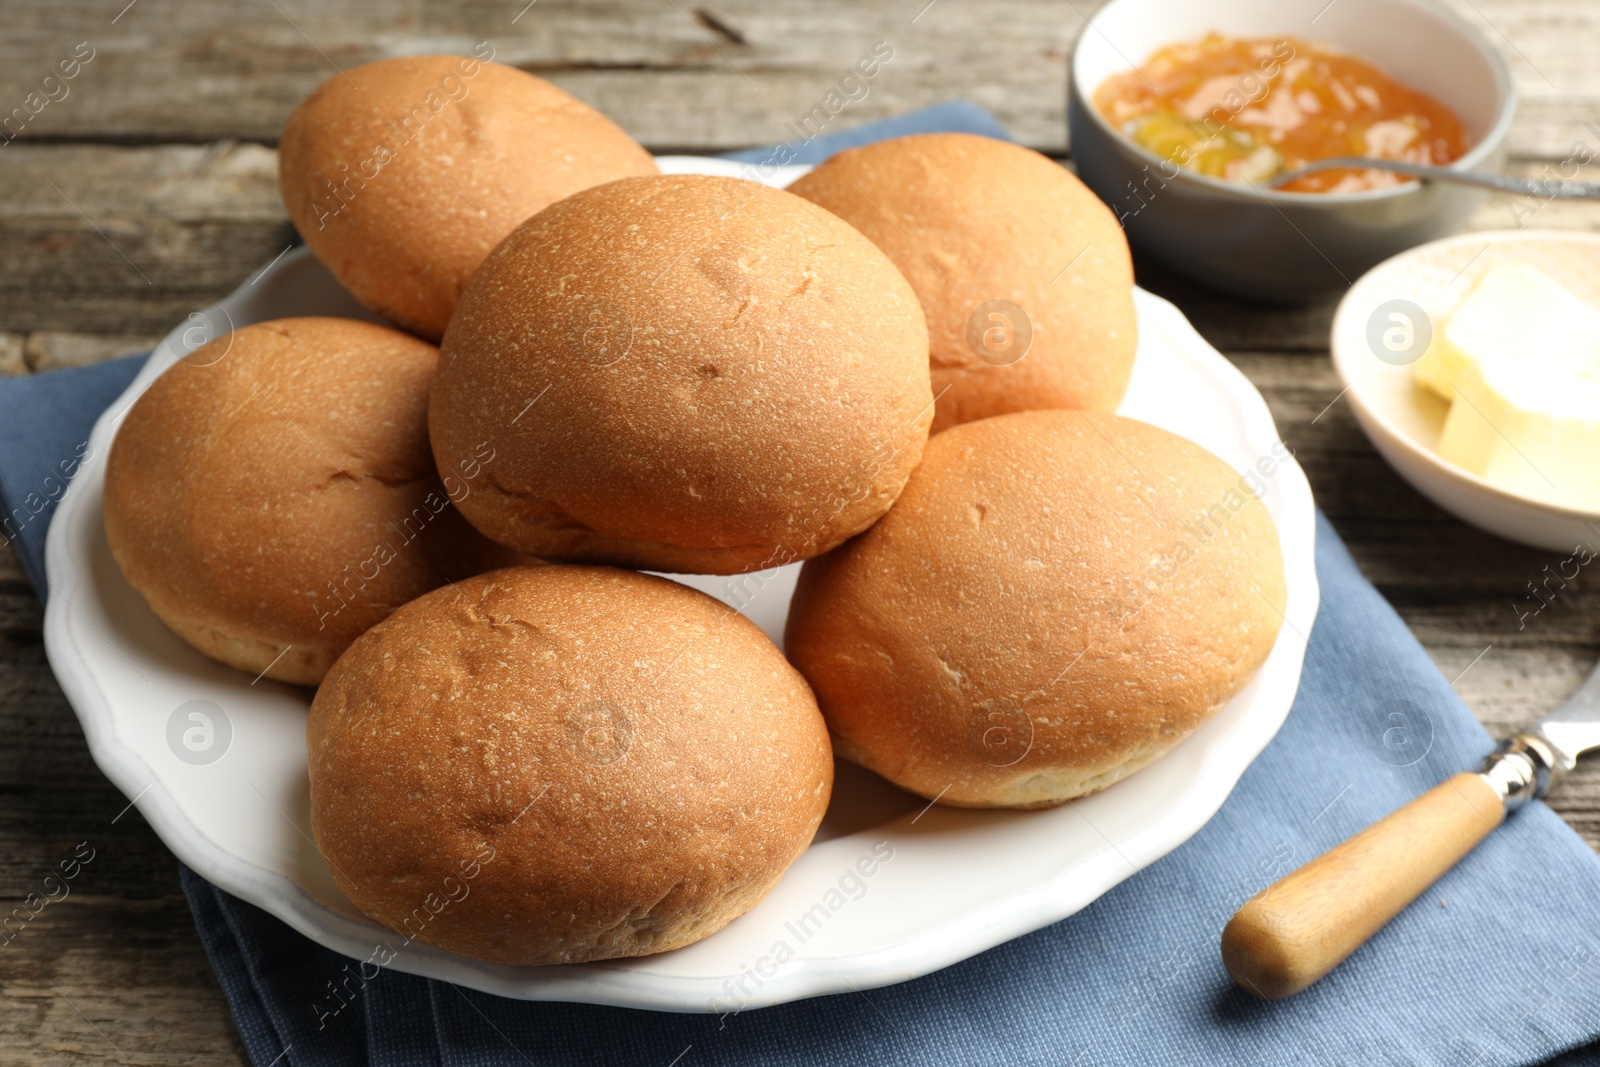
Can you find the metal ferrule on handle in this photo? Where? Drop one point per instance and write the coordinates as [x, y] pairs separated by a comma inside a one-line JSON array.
[[1522, 768]]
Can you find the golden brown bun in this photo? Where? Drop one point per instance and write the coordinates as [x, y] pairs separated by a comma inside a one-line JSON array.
[[969, 220], [1046, 610], [272, 495], [684, 373], [627, 764], [403, 174]]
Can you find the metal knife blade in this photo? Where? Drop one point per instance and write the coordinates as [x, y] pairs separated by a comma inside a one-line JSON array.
[[1526, 765], [1574, 728]]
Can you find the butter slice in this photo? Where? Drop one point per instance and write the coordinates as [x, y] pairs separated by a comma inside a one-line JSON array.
[[1520, 362]]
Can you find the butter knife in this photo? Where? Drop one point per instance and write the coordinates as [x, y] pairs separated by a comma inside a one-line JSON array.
[[1304, 925]]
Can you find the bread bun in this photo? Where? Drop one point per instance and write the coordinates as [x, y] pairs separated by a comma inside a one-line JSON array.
[[1057, 599], [402, 174], [982, 228], [567, 763], [272, 494], [684, 373]]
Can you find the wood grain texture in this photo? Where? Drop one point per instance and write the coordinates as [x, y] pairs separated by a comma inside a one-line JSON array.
[[1304, 925], [112, 240], [150, 192], [106, 239], [108, 980], [707, 76]]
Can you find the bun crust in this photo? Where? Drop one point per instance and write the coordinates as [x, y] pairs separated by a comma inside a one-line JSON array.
[[272, 495], [1057, 599], [684, 373], [969, 220], [622, 764], [402, 174]]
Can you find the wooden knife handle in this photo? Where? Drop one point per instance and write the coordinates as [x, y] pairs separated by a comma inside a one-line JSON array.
[[1304, 925]]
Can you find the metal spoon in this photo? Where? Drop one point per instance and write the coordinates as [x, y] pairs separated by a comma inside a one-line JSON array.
[[1544, 188]]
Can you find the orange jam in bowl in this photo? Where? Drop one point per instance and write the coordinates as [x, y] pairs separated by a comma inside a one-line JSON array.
[[1249, 110]]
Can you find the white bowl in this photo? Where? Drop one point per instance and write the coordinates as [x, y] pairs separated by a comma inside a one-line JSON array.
[[960, 881], [1404, 421]]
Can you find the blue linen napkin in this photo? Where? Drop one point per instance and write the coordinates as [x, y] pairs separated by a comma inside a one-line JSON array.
[[1498, 964]]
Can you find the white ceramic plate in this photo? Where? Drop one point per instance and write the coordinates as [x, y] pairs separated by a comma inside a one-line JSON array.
[[958, 882], [1405, 422]]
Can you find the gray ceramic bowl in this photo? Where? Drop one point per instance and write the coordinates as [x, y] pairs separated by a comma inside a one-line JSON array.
[[1270, 245]]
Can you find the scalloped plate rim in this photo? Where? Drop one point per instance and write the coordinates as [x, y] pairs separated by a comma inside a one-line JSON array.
[[631, 983]]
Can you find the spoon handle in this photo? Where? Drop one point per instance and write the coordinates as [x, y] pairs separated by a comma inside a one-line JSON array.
[[1304, 925], [1543, 188]]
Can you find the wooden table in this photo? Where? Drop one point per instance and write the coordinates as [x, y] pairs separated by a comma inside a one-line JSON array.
[[149, 191]]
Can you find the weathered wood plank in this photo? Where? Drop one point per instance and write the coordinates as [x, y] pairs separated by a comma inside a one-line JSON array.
[[663, 71], [48, 350], [54, 796], [11, 355], [115, 981], [128, 240], [10, 568], [710, 76]]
